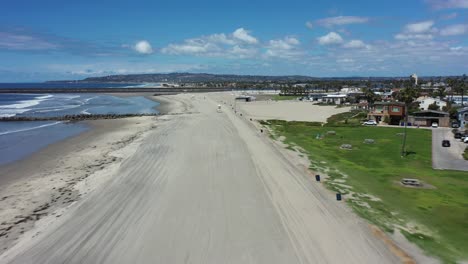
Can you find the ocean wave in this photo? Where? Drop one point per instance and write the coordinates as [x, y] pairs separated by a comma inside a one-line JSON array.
[[28, 129], [26, 103]]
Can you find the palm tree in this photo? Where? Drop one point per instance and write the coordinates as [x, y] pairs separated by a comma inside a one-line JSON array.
[[461, 87], [407, 95], [451, 83]]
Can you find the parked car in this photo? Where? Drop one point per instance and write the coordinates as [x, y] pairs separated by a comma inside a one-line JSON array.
[[458, 135], [445, 143], [435, 125], [465, 140], [370, 123], [455, 125]]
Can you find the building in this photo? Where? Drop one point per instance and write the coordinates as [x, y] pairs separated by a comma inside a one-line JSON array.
[[246, 98], [334, 98], [394, 111], [425, 101], [457, 99], [462, 115], [427, 117]]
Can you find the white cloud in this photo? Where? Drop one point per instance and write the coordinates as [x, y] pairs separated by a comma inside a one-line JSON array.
[[330, 39], [345, 60], [243, 35], [221, 38], [341, 20], [240, 52], [456, 48], [423, 30], [21, 41], [286, 43], [192, 46], [235, 45], [420, 27], [309, 25], [143, 47], [413, 36], [454, 30], [446, 4], [287, 48], [356, 44]]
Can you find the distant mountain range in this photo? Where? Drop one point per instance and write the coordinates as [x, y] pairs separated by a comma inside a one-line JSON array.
[[206, 77]]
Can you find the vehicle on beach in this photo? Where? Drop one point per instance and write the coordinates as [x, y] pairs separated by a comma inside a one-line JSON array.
[[445, 143], [370, 123]]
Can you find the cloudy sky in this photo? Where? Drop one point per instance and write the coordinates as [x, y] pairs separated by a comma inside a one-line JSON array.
[[56, 39]]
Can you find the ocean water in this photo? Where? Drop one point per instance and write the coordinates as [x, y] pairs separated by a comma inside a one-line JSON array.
[[20, 139], [40, 105], [61, 85]]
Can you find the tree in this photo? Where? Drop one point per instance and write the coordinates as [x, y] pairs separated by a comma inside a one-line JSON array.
[[370, 96], [407, 96], [433, 106], [461, 87]]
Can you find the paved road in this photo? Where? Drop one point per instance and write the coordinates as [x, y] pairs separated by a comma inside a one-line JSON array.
[[450, 158], [207, 188]]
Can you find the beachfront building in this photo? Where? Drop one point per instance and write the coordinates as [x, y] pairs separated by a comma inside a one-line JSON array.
[[334, 99], [462, 115], [393, 112], [457, 99], [427, 117], [425, 101]]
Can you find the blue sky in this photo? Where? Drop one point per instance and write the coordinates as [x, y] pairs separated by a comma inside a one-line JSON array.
[[51, 39]]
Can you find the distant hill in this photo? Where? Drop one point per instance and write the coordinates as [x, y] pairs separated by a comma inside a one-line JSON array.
[[193, 77], [206, 77]]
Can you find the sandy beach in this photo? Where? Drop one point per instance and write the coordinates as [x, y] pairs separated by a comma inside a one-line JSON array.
[[48, 179], [193, 185]]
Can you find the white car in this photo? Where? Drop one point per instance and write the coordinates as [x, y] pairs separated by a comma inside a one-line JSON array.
[[370, 123], [435, 125]]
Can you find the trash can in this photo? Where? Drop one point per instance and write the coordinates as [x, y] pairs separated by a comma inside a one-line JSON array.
[[317, 177], [338, 196]]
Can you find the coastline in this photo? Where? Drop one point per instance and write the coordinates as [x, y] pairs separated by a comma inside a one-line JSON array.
[[55, 176], [47, 180]]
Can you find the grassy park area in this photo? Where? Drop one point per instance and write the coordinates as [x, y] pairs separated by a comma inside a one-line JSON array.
[[434, 217]]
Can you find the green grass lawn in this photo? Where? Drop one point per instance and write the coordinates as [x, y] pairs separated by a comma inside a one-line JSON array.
[[435, 219]]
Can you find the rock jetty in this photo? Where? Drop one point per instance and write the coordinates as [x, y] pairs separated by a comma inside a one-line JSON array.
[[80, 117]]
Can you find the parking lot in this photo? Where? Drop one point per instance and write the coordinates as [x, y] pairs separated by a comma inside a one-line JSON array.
[[447, 158]]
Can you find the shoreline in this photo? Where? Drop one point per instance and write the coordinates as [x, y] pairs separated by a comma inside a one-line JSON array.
[[9, 168], [47, 180], [56, 175]]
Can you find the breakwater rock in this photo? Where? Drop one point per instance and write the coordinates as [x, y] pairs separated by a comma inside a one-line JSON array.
[[79, 117]]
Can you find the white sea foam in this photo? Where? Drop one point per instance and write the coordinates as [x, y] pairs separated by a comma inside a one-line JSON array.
[[27, 129], [24, 104]]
